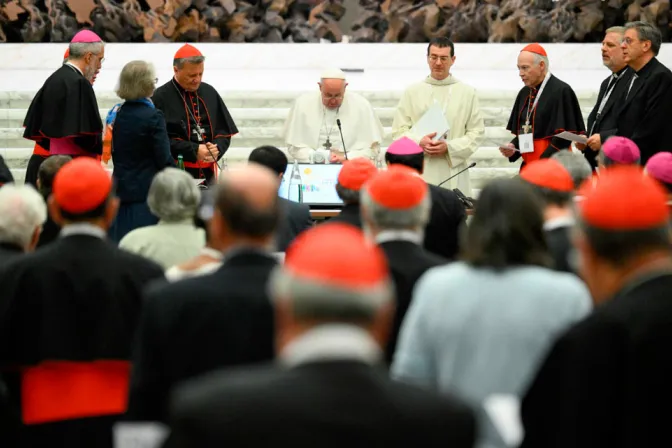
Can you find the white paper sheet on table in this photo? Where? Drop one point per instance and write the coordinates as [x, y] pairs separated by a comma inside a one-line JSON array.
[[504, 412], [432, 121], [572, 137]]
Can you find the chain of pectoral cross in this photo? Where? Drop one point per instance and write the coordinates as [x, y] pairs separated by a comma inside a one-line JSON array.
[[327, 144]]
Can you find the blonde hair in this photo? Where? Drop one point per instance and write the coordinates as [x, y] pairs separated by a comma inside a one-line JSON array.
[[137, 80]]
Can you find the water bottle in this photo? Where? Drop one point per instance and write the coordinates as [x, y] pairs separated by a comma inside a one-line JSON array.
[[296, 181], [180, 162]]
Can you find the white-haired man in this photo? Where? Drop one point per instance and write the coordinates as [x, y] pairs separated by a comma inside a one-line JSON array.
[[22, 214], [64, 117], [199, 125], [543, 108], [333, 301], [317, 120], [396, 206]]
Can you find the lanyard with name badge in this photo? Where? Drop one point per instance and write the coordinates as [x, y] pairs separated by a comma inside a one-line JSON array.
[[605, 99], [526, 139]]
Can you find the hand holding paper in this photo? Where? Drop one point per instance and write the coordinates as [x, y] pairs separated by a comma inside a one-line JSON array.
[[572, 137]]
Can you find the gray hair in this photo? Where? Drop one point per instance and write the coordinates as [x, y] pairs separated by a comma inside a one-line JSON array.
[[179, 63], [538, 59], [313, 300], [136, 80], [647, 31], [22, 210], [615, 29], [384, 218], [347, 195], [173, 195], [576, 164], [79, 49]]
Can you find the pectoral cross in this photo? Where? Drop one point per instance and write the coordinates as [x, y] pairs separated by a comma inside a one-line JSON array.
[[198, 130], [526, 127], [327, 145]]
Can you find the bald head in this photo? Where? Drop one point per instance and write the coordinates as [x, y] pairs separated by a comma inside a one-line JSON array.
[[247, 202]]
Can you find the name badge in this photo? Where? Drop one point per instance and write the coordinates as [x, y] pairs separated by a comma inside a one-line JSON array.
[[525, 143]]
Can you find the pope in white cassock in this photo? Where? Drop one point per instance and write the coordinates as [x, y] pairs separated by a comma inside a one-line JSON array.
[[459, 104], [311, 131]]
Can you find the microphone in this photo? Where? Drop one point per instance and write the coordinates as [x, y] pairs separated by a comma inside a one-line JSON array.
[[473, 164], [340, 131]]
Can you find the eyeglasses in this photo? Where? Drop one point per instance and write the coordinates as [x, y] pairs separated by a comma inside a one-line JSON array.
[[332, 97], [435, 58]]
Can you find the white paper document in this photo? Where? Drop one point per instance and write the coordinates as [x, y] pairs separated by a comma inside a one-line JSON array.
[[198, 181], [139, 435], [572, 137], [432, 121], [504, 412], [506, 148]]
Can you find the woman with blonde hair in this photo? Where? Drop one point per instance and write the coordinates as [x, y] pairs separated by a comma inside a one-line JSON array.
[[140, 147]]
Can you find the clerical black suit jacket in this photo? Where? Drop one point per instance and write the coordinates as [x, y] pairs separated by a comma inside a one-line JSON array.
[[9, 252], [445, 219], [645, 115], [350, 214], [318, 404], [606, 382], [201, 324], [5, 173], [407, 262], [295, 219], [65, 309], [606, 124]]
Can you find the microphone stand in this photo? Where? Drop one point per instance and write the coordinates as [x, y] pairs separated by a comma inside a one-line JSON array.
[[473, 164], [340, 131]]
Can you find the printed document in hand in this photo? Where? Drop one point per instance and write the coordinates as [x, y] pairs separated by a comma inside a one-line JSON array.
[[432, 121], [504, 413], [572, 137]]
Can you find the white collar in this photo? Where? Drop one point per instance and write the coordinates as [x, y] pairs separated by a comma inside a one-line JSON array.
[[331, 342], [561, 221], [399, 235], [75, 67], [83, 228]]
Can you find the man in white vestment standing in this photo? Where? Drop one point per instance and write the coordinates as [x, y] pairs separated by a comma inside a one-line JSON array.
[[445, 156], [311, 131]]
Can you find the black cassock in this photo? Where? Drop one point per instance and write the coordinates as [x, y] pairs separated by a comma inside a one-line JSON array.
[[65, 106], [186, 112], [557, 110], [645, 115], [607, 381]]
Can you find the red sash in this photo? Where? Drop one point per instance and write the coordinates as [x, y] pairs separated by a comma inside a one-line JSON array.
[[40, 151], [540, 145]]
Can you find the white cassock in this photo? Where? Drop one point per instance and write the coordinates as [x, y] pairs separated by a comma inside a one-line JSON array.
[[462, 111], [310, 124]]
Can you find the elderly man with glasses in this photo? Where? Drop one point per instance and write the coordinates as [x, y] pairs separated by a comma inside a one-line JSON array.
[[330, 126], [64, 117]]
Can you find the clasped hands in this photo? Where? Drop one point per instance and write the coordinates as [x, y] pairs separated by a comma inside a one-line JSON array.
[[433, 147], [594, 142], [204, 151]]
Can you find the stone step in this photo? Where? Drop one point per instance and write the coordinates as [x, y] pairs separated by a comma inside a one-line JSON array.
[[256, 136], [284, 99], [247, 117]]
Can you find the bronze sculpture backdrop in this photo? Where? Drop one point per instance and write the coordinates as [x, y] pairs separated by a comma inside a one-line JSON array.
[[312, 20]]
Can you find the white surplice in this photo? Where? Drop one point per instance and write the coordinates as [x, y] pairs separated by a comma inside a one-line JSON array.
[[310, 123], [460, 106]]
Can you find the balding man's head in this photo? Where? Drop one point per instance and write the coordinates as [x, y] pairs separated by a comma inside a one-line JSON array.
[[247, 206]]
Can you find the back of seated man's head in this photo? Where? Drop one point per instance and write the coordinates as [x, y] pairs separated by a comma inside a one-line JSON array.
[[47, 172], [551, 180], [353, 175], [270, 157], [577, 166], [659, 167], [246, 208], [619, 151], [22, 214], [82, 192], [405, 151]]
